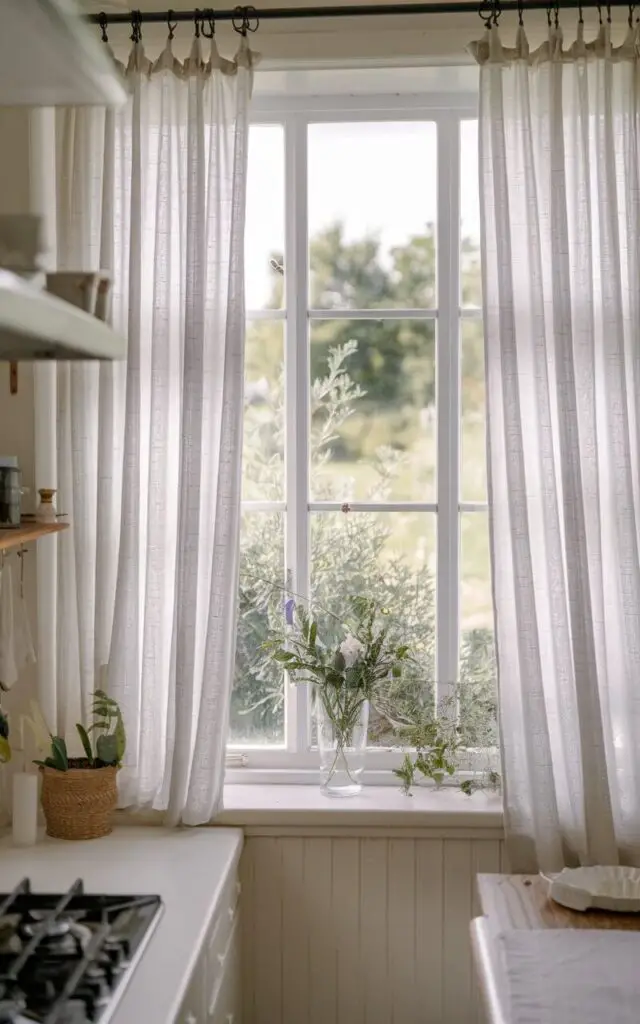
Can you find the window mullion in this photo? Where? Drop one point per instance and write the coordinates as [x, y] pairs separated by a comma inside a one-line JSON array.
[[297, 399], [448, 406]]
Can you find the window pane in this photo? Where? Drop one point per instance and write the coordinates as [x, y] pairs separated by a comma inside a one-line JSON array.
[[471, 282], [372, 215], [257, 699], [263, 450], [390, 557], [264, 231], [474, 452], [477, 655], [373, 431]]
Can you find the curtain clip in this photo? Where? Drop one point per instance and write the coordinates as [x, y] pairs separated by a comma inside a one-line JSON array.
[[103, 21]]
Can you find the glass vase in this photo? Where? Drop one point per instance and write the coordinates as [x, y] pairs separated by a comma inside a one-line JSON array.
[[343, 747]]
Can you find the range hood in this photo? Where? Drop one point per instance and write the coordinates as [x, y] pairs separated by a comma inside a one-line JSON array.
[[37, 325], [50, 56]]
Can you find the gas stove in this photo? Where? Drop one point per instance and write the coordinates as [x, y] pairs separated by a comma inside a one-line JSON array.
[[65, 959]]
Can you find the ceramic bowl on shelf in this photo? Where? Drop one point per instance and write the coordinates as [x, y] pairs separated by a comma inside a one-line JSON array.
[[597, 888]]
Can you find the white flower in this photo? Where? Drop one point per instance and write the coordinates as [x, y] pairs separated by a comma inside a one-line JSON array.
[[351, 650]]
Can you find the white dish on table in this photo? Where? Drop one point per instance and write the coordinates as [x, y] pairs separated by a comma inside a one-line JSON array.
[[597, 888]]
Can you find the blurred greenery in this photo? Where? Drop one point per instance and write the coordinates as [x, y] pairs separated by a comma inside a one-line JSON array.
[[373, 437]]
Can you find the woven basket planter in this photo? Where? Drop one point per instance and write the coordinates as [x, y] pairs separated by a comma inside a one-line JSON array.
[[79, 804]]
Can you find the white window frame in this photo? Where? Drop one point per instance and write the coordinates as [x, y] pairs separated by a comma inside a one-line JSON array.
[[294, 761]]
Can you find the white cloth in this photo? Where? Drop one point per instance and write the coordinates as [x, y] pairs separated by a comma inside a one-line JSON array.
[[570, 976], [560, 209], [16, 644], [149, 456], [8, 659]]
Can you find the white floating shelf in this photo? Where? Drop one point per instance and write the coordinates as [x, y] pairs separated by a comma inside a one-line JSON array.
[[50, 56], [36, 325]]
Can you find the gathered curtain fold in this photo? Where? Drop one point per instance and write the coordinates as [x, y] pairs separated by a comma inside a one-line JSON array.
[[146, 455], [559, 134]]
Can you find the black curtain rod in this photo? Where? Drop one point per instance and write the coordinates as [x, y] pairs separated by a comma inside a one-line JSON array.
[[348, 11]]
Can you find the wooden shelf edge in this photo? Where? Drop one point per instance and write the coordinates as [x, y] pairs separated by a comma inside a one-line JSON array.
[[27, 532]]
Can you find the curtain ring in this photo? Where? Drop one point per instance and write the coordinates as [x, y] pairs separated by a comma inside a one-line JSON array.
[[549, 7], [580, 15], [245, 20], [485, 12], [209, 15], [136, 26], [632, 8], [599, 9], [497, 11], [172, 28], [556, 20], [608, 14], [197, 18], [520, 13], [103, 22]]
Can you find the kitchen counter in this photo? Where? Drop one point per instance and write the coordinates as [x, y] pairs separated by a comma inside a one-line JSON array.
[[188, 868], [521, 903]]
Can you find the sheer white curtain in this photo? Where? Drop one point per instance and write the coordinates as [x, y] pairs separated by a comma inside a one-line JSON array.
[[149, 455], [560, 200]]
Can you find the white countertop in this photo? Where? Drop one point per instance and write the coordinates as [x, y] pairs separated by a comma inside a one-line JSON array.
[[186, 867]]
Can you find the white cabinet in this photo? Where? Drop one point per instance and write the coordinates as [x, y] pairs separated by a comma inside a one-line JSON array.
[[214, 993]]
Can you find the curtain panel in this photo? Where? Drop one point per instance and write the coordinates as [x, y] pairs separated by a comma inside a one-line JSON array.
[[560, 215], [147, 455]]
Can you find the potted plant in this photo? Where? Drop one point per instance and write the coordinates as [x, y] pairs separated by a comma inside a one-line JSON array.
[[79, 794], [344, 668]]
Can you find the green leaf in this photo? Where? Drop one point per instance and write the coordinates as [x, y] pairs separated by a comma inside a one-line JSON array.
[[59, 753], [107, 749], [121, 737], [86, 742], [283, 656]]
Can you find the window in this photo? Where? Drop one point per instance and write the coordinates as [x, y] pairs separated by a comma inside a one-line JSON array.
[[364, 465]]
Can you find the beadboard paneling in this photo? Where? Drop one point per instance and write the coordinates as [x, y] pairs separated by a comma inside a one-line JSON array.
[[361, 929]]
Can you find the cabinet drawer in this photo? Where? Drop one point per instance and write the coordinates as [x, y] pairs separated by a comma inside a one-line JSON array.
[[194, 1005], [218, 940], [224, 1007]]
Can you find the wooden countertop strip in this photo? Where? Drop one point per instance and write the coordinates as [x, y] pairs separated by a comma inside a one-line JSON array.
[[522, 901]]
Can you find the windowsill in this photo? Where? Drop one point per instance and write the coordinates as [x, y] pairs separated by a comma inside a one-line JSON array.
[[299, 806]]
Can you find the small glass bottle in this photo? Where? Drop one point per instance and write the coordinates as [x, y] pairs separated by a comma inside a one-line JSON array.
[[46, 511]]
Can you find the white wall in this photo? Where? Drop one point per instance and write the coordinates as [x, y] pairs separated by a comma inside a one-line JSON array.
[[364, 928]]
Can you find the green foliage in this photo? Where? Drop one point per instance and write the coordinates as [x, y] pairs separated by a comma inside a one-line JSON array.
[[110, 740], [368, 380], [348, 665], [441, 740], [86, 743], [58, 758], [108, 722]]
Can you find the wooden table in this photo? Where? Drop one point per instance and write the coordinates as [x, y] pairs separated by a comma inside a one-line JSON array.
[[522, 902]]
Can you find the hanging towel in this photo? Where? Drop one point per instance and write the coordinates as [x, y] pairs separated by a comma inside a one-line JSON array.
[[8, 665], [23, 648]]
